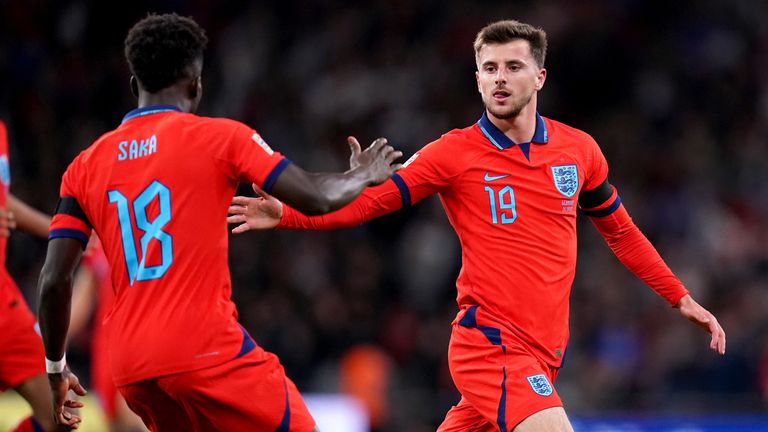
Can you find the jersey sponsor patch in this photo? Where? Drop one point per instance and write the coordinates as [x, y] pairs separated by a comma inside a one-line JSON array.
[[410, 160], [566, 179], [540, 384], [260, 141], [5, 171]]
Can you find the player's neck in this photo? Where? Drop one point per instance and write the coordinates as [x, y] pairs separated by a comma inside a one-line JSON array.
[[168, 96], [519, 129]]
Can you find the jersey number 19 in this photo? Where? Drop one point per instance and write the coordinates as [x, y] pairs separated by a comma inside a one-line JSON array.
[[503, 206]]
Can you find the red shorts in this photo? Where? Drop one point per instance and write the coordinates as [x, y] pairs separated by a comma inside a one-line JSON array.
[[22, 355], [501, 382], [248, 393]]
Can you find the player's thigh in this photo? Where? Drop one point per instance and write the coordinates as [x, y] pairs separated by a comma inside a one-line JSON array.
[[463, 417], [548, 420], [22, 354], [498, 377], [124, 420], [248, 392], [158, 410], [37, 393]]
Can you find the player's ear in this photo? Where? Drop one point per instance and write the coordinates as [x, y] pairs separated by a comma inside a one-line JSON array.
[[134, 86], [541, 77], [196, 87]]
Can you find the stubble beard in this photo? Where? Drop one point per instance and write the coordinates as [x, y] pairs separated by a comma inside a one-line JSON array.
[[506, 113]]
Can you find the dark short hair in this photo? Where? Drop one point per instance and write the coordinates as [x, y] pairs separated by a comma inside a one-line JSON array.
[[501, 32], [160, 49]]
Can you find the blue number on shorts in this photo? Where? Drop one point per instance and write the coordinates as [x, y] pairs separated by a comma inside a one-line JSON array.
[[505, 207], [138, 271]]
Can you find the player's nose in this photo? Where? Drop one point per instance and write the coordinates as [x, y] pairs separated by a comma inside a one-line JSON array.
[[500, 76]]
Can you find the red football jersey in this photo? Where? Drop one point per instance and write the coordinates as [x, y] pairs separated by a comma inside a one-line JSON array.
[[156, 190], [9, 293], [5, 183], [513, 207]]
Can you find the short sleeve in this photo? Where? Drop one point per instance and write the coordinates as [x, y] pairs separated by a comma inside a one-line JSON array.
[[69, 219], [597, 166], [246, 157], [429, 171]]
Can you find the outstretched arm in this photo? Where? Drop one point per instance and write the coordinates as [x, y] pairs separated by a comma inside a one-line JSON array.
[[633, 249], [266, 212], [320, 193], [55, 290], [29, 219]]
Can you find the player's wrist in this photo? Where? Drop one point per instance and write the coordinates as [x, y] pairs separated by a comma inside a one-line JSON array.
[[55, 367]]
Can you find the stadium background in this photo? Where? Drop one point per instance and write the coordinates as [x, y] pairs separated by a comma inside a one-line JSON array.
[[675, 92]]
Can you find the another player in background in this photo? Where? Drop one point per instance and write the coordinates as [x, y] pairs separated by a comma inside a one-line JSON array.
[[156, 191], [92, 294], [21, 367], [510, 185]]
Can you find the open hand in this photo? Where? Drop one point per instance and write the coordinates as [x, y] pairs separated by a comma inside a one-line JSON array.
[[261, 213], [60, 384], [377, 161], [7, 222], [704, 319]]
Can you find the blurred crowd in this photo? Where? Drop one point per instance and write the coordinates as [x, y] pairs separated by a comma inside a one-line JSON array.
[[675, 93]]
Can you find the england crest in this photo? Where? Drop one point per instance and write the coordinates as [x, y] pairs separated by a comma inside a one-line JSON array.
[[566, 179], [540, 384]]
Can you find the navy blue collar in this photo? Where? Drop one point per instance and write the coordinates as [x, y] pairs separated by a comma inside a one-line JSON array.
[[147, 110], [502, 142]]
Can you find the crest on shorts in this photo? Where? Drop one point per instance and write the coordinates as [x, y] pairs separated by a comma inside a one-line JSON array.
[[566, 179], [5, 170], [540, 384]]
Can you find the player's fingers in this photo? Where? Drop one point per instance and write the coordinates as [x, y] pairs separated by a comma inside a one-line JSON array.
[[377, 144], [237, 218], [393, 156], [242, 201], [260, 191], [718, 336], [397, 167], [236, 210], [71, 403], [69, 419], [79, 389], [241, 229], [721, 340], [354, 146]]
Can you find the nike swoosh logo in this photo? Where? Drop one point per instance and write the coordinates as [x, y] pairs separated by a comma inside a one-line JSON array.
[[490, 178]]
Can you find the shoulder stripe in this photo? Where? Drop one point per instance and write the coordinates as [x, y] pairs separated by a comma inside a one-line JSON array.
[[69, 206]]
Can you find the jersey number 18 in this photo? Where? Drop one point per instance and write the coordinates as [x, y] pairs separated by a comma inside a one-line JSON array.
[[138, 271]]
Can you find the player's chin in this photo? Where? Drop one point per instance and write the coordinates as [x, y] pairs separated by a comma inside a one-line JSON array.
[[503, 112]]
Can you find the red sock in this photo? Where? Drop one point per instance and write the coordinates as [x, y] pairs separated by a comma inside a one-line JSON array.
[[29, 424]]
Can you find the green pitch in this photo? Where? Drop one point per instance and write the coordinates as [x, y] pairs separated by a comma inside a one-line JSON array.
[[13, 408]]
